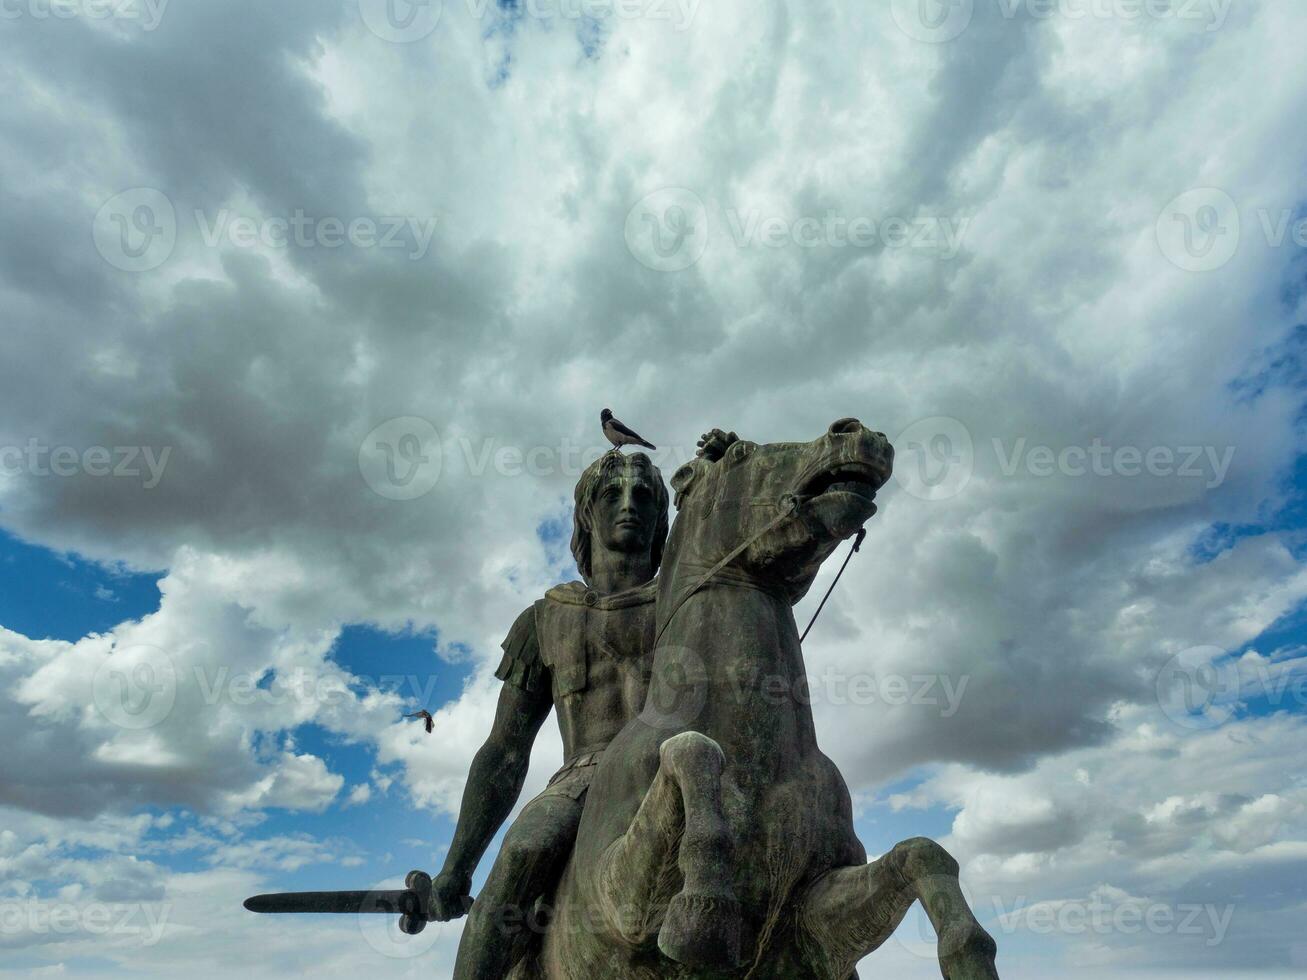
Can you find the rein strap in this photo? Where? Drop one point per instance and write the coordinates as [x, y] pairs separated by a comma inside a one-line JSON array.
[[857, 544], [789, 507]]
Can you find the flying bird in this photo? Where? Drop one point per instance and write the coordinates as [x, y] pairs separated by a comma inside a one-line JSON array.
[[431, 722], [619, 435]]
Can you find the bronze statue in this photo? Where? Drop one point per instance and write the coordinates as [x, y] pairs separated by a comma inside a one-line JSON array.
[[716, 839], [584, 649]]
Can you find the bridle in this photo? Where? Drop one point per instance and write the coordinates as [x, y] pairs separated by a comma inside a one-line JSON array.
[[787, 508]]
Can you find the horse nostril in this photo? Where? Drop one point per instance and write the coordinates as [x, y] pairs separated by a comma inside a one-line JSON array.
[[845, 427]]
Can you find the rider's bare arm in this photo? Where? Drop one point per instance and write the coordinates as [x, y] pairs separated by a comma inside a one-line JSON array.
[[498, 770]]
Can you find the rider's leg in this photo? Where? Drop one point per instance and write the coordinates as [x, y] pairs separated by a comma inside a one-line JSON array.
[[529, 862]]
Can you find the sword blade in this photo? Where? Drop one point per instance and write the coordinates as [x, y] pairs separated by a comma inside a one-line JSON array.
[[405, 902]]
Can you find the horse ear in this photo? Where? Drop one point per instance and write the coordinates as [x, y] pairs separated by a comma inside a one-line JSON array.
[[683, 478]]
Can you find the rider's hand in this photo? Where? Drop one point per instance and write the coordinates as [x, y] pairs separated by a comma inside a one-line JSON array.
[[713, 445], [451, 896]]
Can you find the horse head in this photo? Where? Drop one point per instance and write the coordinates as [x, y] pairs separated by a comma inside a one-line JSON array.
[[786, 504]]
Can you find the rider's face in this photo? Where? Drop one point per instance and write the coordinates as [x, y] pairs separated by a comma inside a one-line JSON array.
[[624, 515]]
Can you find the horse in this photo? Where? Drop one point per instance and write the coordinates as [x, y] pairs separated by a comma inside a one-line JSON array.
[[717, 839]]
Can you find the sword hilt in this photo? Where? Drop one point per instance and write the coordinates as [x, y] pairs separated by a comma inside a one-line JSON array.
[[411, 923]]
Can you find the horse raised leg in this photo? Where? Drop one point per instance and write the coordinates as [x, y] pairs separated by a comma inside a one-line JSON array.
[[671, 872], [849, 912]]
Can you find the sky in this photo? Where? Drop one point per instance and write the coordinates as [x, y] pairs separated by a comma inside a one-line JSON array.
[[309, 310]]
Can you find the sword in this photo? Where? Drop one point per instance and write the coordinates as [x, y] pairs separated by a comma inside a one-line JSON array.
[[412, 903]]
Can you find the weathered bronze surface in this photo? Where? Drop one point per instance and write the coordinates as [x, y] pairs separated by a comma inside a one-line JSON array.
[[717, 839], [583, 650]]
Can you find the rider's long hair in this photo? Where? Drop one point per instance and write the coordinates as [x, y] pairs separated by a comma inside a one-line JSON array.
[[597, 474]]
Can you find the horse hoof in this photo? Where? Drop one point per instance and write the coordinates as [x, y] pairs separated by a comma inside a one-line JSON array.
[[967, 952], [702, 931]]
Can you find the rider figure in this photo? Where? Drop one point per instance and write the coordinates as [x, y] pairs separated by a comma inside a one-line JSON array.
[[584, 649]]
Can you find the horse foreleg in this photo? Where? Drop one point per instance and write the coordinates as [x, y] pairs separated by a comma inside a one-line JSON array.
[[849, 912], [672, 871]]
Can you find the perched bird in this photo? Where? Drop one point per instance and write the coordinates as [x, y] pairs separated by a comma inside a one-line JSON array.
[[431, 722], [619, 435]]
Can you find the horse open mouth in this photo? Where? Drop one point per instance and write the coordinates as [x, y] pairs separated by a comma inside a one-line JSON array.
[[859, 479]]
